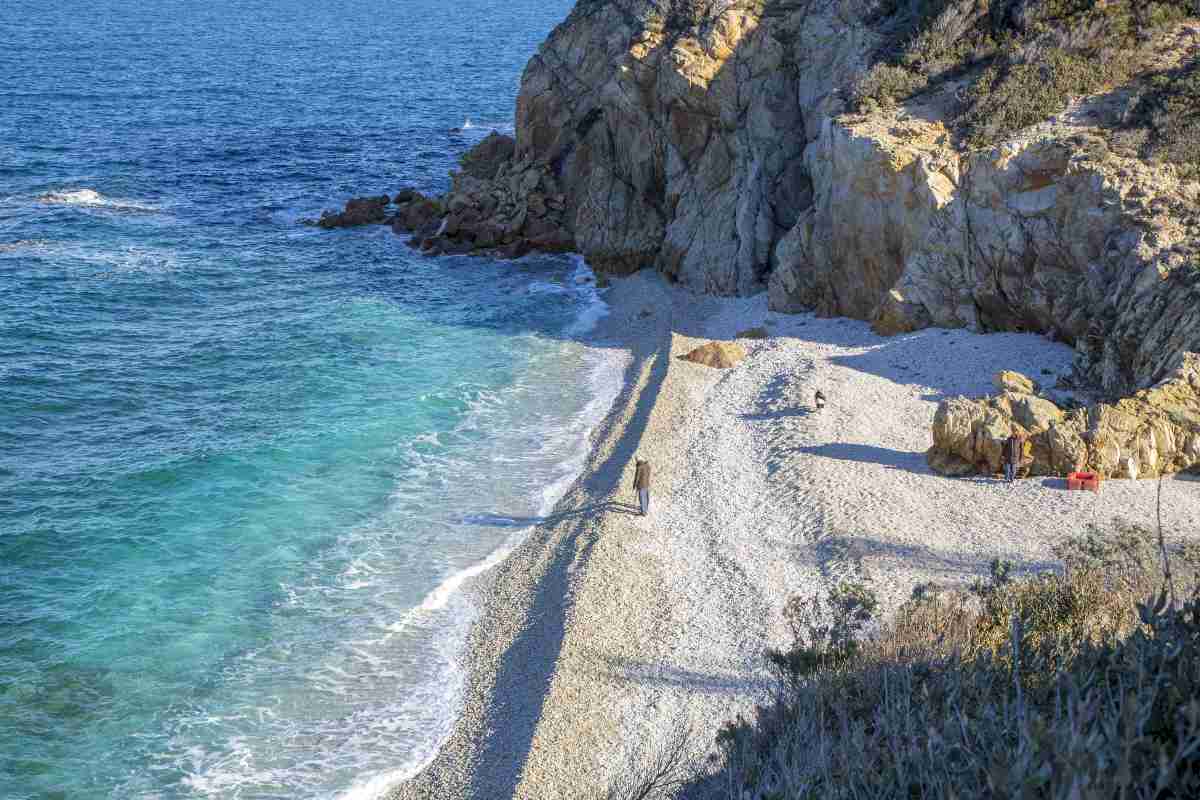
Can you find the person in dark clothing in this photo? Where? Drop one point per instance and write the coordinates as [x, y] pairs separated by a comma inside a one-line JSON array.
[[1014, 451], [820, 399], [641, 483]]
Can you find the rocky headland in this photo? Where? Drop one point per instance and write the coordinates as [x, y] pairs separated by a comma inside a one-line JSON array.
[[728, 145]]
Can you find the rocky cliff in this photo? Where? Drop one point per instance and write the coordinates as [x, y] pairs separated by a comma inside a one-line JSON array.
[[714, 141], [1040, 170]]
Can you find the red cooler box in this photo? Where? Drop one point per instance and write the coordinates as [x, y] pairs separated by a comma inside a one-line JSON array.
[[1083, 480]]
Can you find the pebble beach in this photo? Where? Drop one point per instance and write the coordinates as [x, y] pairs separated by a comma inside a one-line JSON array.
[[605, 632]]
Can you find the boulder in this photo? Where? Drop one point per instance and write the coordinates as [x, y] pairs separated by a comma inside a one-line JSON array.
[[358, 211], [417, 214], [1006, 381], [721, 355], [1030, 412], [406, 195], [1154, 432], [483, 160]]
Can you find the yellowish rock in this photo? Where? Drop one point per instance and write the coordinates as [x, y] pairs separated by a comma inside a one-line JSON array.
[[1155, 432], [1007, 381], [721, 355]]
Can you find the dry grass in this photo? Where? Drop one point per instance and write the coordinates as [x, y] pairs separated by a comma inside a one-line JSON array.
[[1066, 685]]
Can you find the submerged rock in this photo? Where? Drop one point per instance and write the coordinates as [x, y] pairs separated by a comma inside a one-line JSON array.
[[1154, 432], [721, 355]]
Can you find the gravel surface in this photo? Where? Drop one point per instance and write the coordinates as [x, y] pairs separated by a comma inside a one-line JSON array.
[[605, 631]]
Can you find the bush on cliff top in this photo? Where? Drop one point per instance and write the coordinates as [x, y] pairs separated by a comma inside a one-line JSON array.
[[1168, 112], [1026, 59], [1053, 686]]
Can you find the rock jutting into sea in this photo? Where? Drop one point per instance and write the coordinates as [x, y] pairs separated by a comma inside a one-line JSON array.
[[504, 207]]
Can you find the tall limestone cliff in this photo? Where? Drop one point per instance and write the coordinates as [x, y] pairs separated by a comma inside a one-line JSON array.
[[714, 141], [1020, 165]]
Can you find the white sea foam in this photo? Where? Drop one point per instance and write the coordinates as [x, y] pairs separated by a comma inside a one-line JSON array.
[[479, 130], [604, 383], [92, 198], [127, 259], [390, 682]]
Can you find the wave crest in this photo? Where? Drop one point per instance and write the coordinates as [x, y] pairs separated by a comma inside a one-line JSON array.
[[90, 197]]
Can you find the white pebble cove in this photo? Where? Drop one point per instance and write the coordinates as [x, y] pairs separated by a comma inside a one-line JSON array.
[[605, 630]]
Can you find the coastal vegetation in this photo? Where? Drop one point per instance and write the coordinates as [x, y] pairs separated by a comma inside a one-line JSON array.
[[1021, 62], [1078, 682]]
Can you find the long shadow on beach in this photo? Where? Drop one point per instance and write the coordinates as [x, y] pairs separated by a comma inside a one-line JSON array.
[[504, 521], [523, 676], [870, 454]]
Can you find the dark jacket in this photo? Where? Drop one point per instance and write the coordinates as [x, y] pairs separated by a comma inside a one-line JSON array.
[[1014, 448], [641, 476]]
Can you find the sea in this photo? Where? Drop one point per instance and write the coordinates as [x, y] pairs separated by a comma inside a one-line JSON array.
[[247, 465]]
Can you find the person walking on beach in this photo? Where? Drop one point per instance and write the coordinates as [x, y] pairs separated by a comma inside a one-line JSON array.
[[641, 482], [1014, 451]]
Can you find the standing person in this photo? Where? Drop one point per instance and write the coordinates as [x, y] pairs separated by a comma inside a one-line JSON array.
[[819, 399], [641, 482], [1014, 451]]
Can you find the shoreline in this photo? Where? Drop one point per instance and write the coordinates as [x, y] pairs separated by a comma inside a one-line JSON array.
[[524, 599], [604, 632]]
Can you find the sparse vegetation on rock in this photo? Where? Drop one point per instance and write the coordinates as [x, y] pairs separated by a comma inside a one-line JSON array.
[[1023, 61]]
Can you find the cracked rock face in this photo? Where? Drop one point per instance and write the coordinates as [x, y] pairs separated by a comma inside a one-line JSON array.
[[1036, 234], [677, 131]]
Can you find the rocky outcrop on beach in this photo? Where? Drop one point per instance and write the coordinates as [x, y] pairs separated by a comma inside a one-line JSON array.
[[720, 355], [496, 204], [1154, 432], [357, 211], [1049, 232]]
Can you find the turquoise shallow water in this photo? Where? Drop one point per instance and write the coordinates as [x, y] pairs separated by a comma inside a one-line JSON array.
[[244, 463]]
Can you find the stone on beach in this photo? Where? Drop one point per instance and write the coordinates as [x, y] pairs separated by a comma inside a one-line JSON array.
[[1155, 432], [1008, 381], [721, 355]]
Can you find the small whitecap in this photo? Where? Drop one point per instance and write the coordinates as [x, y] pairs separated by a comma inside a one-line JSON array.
[[92, 198]]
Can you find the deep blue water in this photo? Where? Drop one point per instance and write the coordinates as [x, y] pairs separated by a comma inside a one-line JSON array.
[[244, 462]]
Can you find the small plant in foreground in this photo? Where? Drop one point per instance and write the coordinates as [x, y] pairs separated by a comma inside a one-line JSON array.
[[824, 632]]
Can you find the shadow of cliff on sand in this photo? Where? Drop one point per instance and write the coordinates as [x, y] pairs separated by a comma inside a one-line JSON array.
[[652, 674], [505, 521], [525, 670], [870, 454]]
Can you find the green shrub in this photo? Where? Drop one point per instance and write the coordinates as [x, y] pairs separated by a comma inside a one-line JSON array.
[[1169, 112], [1028, 57], [886, 85], [824, 633]]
